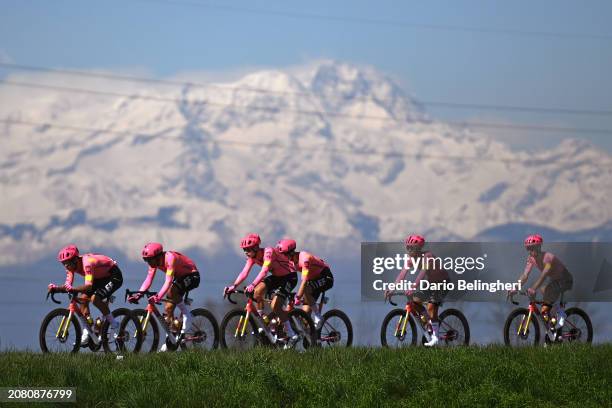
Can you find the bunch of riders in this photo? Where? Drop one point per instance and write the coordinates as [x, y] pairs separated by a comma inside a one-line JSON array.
[[278, 278]]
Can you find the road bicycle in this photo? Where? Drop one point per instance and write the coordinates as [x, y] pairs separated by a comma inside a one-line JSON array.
[[522, 327], [202, 335], [399, 327], [61, 329], [335, 329], [244, 328]]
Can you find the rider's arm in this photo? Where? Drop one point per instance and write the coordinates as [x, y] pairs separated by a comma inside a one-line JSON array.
[[527, 271], [300, 292], [245, 271], [170, 261], [419, 277], [148, 280], [69, 279], [543, 276], [262, 274]]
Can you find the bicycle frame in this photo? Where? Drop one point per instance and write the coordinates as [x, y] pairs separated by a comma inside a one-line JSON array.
[[534, 310], [152, 311], [74, 310], [410, 309]]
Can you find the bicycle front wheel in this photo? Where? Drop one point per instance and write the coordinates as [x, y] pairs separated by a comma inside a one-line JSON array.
[[58, 334], [203, 333], [454, 329], [520, 330], [149, 331], [396, 331], [236, 332], [336, 330], [577, 327]]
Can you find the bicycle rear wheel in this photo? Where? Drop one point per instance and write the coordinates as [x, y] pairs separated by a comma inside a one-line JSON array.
[[454, 329], [236, 334], [336, 330], [58, 335], [128, 339], [515, 332], [203, 333], [396, 331], [577, 327], [149, 331]]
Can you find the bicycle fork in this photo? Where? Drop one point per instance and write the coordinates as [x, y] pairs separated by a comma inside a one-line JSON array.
[[524, 325]]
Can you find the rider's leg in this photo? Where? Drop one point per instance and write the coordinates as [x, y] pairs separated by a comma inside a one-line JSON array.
[[175, 297], [259, 295], [105, 310]]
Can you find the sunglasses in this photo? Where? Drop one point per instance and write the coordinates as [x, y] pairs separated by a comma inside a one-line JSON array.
[[71, 263], [249, 250]]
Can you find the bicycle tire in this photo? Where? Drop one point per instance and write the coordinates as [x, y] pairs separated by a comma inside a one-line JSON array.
[[150, 332], [459, 315], [585, 317], [345, 319], [42, 338], [225, 325], [306, 327], [213, 323], [388, 318], [515, 313]]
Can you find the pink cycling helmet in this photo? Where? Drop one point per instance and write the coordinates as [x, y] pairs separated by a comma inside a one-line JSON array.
[[67, 253], [286, 245], [533, 240], [152, 249], [415, 241], [251, 240]]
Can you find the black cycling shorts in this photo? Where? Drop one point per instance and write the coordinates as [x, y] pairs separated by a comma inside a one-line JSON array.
[[280, 285], [105, 287], [186, 283], [323, 283]]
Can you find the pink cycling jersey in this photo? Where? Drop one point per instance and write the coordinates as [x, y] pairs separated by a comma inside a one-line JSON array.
[[93, 267], [432, 274], [557, 271], [310, 265], [175, 264], [250, 262], [276, 263]]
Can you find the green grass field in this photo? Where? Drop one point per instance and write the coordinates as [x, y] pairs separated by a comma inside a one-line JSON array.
[[487, 376]]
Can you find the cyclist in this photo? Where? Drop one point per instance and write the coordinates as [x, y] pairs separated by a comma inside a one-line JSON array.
[[278, 285], [559, 278], [102, 278], [255, 256], [316, 277], [430, 272], [182, 275]]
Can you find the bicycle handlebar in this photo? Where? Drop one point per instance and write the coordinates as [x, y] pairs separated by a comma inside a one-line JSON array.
[[228, 296], [52, 295], [390, 298]]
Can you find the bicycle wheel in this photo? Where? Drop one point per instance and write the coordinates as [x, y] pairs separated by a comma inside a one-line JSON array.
[[303, 326], [128, 338], [515, 333], [235, 335], [149, 331], [454, 329], [55, 337], [396, 332], [336, 330], [577, 327], [203, 333]]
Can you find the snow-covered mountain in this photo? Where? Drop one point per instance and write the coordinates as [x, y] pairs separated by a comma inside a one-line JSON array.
[[331, 154]]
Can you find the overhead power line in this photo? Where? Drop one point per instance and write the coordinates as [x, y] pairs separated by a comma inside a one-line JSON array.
[[440, 104], [383, 22], [239, 143], [195, 102]]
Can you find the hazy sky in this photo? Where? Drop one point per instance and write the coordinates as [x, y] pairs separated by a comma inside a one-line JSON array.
[[552, 54]]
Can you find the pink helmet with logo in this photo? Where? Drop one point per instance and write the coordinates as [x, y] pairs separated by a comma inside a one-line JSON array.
[[251, 240], [152, 249], [286, 245], [533, 240], [67, 253], [415, 241]]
